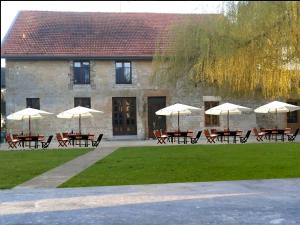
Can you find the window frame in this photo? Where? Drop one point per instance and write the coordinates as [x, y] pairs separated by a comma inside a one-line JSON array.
[[30, 104], [209, 119], [81, 75], [80, 99], [123, 80]]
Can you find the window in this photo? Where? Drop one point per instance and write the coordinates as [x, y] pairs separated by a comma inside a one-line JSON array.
[[292, 117], [211, 120], [123, 73], [33, 103], [85, 102], [81, 72]]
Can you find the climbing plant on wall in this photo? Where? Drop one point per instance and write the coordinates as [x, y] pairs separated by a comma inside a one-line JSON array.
[[253, 50]]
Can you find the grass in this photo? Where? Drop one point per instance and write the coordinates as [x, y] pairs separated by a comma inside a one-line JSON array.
[[17, 167], [192, 163]]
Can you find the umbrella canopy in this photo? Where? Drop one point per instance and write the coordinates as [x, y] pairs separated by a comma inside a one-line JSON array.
[[28, 113], [78, 112], [177, 109], [227, 109], [276, 107]]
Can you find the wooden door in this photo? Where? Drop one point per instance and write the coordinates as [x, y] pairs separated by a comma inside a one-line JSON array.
[[124, 115], [155, 122]]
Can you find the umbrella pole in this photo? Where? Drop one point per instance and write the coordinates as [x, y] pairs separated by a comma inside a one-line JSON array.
[[80, 123], [29, 125], [228, 120], [178, 120], [276, 120]]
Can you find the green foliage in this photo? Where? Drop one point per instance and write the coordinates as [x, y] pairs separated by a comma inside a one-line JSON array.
[[253, 50], [191, 163]]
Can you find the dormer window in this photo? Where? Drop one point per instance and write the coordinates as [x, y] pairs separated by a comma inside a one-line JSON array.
[[81, 72]]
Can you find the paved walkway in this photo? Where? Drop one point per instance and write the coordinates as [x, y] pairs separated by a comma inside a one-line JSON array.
[[55, 177], [233, 202]]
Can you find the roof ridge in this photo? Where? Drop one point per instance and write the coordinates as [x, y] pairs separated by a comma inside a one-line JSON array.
[[89, 12]]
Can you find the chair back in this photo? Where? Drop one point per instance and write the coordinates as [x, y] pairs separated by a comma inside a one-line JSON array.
[[99, 137], [287, 130], [296, 132], [255, 131], [8, 138], [65, 135], [240, 132], [49, 138], [206, 133], [14, 136], [198, 134], [157, 133], [58, 136], [248, 134]]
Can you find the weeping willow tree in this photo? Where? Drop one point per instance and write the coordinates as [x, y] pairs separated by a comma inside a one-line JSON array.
[[253, 50]]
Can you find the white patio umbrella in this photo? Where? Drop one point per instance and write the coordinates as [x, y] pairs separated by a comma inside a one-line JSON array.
[[276, 107], [28, 113], [177, 109], [227, 109], [78, 112]]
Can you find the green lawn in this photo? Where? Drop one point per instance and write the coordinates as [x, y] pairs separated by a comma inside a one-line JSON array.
[[192, 163], [17, 167]]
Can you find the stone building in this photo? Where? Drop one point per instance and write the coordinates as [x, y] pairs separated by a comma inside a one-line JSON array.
[[58, 60]]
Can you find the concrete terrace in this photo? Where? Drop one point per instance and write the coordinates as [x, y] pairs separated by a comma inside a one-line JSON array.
[[238, 202]]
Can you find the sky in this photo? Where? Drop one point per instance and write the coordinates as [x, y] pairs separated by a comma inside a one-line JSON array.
[[9, 9]]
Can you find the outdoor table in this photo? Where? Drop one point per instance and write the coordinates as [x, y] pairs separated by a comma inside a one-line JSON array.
[[174, 134], [230, 133], [274, 132], [30, 138], [80, 137]]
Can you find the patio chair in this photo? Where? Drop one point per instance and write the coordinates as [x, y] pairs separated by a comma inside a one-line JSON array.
[[287, 131], [61, 141], [91, 137], [292, 137], [12, 143], [245, 139], [194, 140], [47, 143], [258, 135], [65, 135], [210, 137], [96, 143], [15, 136], [160, 137]]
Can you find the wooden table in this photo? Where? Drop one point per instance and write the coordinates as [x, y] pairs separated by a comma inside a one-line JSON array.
[[30, 138], [79, 137], [178, 135], [230, 133], [274, 132]]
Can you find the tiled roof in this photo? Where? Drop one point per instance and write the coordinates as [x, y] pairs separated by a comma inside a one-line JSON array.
[[87, 34]]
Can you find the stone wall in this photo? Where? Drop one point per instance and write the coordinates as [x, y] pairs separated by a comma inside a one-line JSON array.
[[51, 81]]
